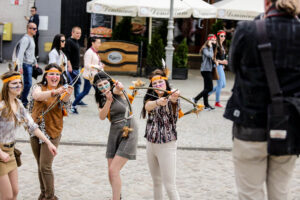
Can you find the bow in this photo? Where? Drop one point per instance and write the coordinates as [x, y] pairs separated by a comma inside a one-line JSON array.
[[196, 107], [129, 99], [61, 97], [137, 83]]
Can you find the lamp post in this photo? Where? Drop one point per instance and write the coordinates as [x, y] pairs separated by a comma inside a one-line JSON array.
[[169, 48]]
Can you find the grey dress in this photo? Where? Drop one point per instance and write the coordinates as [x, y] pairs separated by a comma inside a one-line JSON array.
[[117, 145]]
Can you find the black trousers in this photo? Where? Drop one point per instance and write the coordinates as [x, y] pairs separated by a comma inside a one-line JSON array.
[[208, 86]]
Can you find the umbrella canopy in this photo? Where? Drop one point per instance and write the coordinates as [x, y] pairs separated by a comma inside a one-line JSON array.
[[239, 9], [153, 8], [113, 7]]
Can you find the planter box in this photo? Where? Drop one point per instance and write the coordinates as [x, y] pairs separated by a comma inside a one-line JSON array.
[[180, 73]]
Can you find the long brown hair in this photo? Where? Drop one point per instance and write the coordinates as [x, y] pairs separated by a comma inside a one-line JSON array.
[[7, 111], [220, 46], [48, 67], [151, 94], [205, 45]]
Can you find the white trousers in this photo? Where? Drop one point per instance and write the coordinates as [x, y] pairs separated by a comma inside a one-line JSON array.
[[254, 170], [162, 165]]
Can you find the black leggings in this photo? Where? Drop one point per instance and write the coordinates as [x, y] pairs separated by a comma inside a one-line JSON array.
[[208, 86]]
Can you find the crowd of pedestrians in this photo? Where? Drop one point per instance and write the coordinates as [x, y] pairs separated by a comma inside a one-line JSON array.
[[256, 167]]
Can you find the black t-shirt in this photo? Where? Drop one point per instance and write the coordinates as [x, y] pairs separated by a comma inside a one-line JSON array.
[[221, 55], [72, 51]]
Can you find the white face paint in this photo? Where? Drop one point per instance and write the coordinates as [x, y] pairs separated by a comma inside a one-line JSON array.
[[103, 86]]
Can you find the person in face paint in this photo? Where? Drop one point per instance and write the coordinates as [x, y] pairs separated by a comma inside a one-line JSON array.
[[162, 112], [113, 105], [45, 94], [12, 115]]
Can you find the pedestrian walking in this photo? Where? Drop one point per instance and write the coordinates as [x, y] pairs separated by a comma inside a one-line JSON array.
[[256, 167], [50, 100], [25, 60], [57, 55], [72, 51], [162, 111], [122, 139], [220, 57], [12, 115], [92, 65], [35, 19], [207, 65]]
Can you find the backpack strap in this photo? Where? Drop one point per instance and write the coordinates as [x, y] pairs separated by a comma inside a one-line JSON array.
[[265, 49]]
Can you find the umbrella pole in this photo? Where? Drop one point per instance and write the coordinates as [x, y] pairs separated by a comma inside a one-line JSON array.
[[170, 48], [150, 30]]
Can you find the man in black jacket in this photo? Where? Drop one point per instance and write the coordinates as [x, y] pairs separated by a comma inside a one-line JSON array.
[[35, 19], [247, 107]]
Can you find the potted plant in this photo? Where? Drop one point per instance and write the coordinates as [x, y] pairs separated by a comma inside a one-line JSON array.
[[180, 61], [155, 53]]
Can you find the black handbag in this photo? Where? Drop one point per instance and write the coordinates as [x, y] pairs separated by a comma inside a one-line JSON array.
[[283, 112], [36, 71]]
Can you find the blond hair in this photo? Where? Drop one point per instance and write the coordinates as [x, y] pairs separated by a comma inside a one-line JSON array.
[[292, 7]]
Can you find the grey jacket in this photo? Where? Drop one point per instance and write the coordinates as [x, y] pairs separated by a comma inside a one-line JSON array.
[[207, 59], [26, 51]]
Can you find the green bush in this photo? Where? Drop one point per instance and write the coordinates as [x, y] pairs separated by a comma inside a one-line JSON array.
[[122, 31], [155, 52], [218, 25], [180, 57]]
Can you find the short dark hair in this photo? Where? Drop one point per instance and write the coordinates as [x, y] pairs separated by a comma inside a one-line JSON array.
[[33, 7], [92, 39]]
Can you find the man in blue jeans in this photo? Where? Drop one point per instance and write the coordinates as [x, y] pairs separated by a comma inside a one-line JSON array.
[[26, 59], [73, 54]]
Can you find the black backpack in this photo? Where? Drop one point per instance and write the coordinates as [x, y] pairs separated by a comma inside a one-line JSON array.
[[283, 112]]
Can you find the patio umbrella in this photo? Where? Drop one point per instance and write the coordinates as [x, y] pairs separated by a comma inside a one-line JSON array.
[[152, 8], [239, 9]]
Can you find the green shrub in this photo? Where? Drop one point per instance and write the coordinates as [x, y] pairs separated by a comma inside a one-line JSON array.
[[218, 25], [180, 57], [122, 31], [155, 52]]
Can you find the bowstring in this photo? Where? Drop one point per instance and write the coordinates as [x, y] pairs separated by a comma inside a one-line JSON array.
[[94, 84]]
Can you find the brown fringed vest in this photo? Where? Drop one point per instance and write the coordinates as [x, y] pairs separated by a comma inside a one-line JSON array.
[[53, 119]]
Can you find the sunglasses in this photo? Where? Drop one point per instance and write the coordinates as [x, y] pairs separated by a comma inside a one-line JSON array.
[[33, 28], [223, 36], [63, 41]]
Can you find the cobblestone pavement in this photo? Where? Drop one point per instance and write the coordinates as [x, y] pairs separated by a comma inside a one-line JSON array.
[[81, 174], [81, 169]]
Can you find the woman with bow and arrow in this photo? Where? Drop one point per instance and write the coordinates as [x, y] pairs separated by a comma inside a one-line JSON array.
[[162, 108], [114, 104], [50, 99]]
